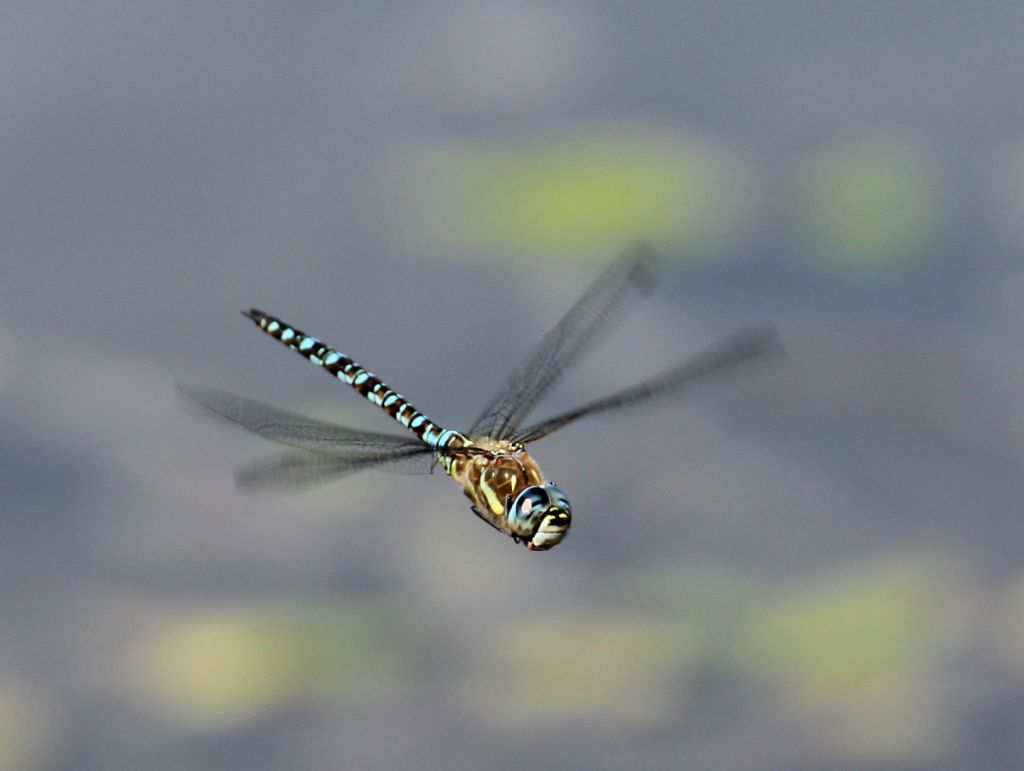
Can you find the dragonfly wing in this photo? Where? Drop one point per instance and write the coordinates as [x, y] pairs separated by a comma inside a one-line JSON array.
[[299, 431], [607, 299], [302, 469], [744, 347]]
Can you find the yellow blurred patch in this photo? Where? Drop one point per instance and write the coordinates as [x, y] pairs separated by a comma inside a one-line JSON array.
[[541, 674], [579, 194], [856, 649], [27, 737], [218, 670]]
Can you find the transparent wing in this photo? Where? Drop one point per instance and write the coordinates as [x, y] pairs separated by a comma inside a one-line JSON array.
[[743, 347], [607, 299], [301, 432], [301, 468]]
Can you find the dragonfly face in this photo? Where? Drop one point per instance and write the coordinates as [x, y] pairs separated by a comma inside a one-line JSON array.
[[544, 513]]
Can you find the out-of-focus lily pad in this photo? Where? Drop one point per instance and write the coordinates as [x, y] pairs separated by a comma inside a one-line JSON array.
[[579, 193], [217, 670], [27, 737], [614, 668], [872, 209], [857, 647]]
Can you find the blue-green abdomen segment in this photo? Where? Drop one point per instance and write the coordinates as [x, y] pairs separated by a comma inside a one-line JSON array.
[[361, 379]]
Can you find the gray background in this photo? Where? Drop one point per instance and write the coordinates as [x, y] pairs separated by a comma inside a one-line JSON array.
[[814, 567]]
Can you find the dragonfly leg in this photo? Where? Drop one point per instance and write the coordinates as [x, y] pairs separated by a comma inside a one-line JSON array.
[[485, 518]]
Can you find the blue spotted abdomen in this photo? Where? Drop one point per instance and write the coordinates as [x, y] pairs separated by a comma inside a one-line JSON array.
[[361, 379]]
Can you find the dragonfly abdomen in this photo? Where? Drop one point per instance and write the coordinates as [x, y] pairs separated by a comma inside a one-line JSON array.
[[371, 387]]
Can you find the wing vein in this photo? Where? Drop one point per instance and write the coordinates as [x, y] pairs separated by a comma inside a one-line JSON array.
[[606, 301]]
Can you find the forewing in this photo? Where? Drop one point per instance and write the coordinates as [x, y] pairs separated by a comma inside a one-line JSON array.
[[299, 431], [296, 469], [625, 280], [747, 346]]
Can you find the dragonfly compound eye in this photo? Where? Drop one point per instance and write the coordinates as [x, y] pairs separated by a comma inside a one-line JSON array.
[[542, 515]]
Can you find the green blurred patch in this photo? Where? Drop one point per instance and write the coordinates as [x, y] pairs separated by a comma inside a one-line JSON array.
[[615, 668], [216, 670], [27, 735], [579, 194], [858, 649], [874, 209]]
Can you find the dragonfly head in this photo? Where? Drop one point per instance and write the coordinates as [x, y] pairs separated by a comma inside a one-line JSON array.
[[542, 515]]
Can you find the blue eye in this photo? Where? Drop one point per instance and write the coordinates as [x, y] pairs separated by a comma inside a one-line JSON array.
[[540, 516], [529, 505], [557, 498]]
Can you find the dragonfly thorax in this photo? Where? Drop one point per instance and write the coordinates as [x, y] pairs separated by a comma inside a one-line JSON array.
[[508, 490]]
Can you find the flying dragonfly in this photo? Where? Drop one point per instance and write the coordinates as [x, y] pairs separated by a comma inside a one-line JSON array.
[[504, 484]]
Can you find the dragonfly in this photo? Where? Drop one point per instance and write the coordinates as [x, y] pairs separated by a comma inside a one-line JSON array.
[[490, 460]]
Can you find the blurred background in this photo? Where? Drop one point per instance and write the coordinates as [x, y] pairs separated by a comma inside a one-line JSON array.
[[814, 566]]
